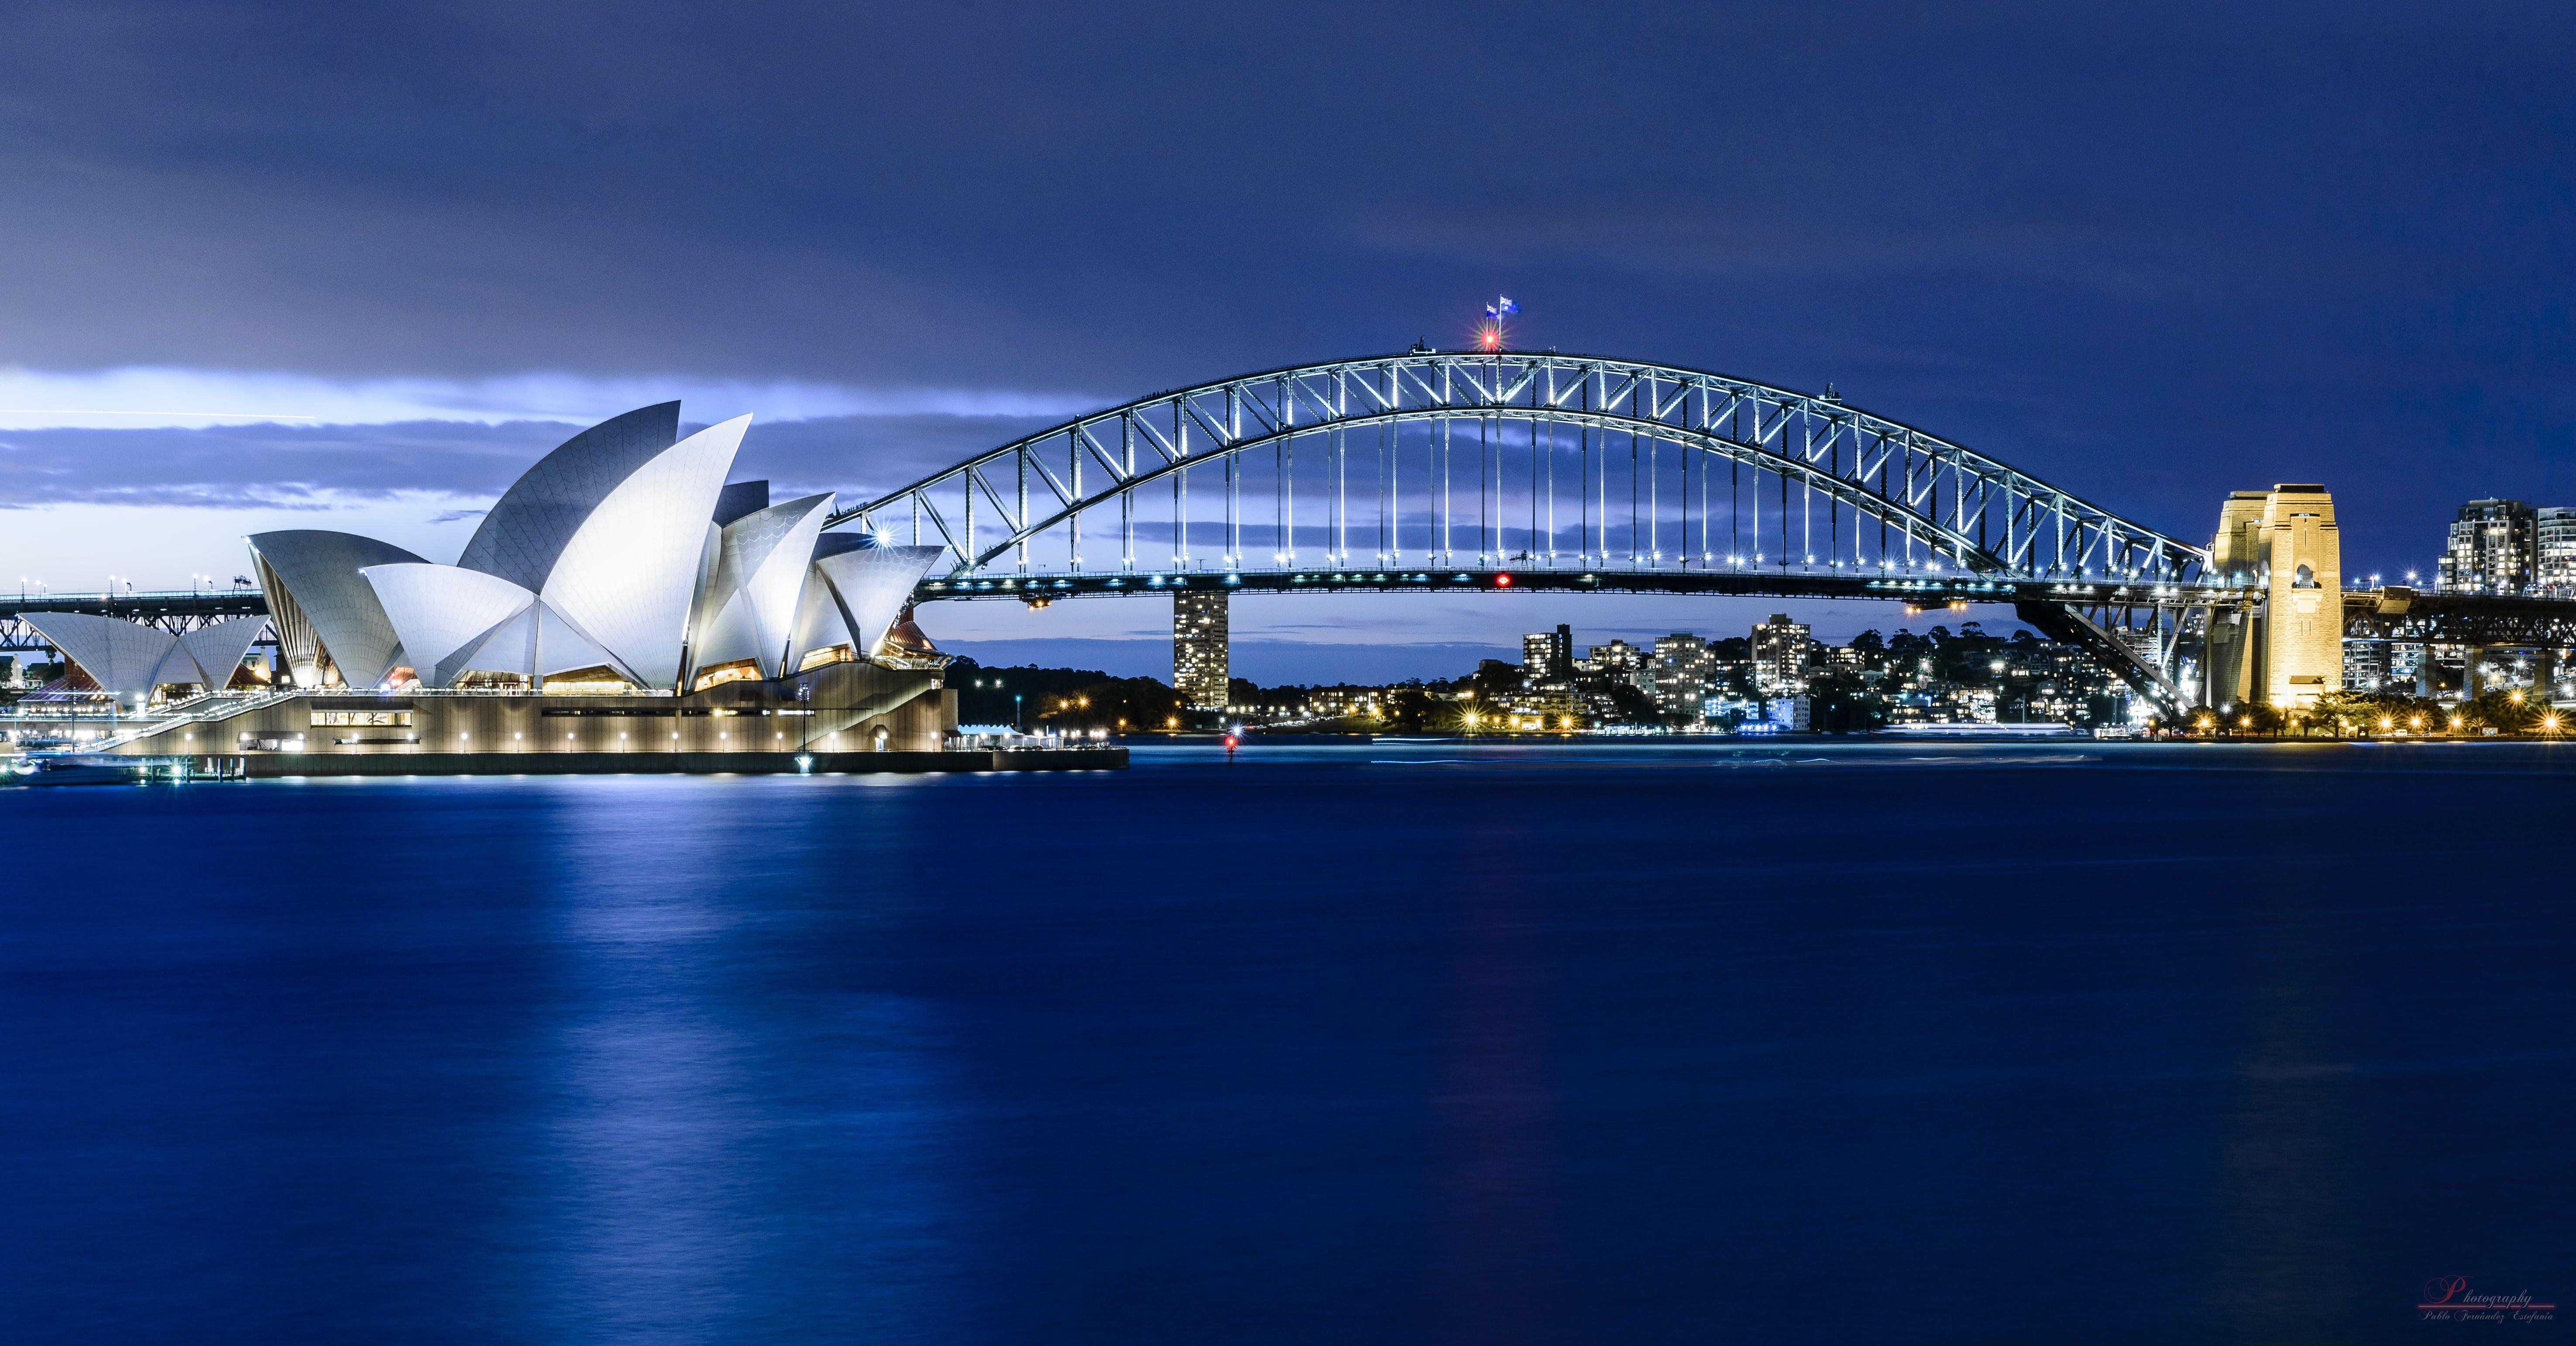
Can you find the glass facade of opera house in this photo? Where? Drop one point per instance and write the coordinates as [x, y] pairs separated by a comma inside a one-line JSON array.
[[622, 597]]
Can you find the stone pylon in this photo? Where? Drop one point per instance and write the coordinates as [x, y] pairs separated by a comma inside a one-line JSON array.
[[2289, 651]]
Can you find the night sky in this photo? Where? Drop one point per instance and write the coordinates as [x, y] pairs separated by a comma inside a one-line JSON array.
[[2152, 254]]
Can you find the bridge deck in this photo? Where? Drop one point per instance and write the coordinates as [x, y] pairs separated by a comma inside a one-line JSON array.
[[1922, 590]]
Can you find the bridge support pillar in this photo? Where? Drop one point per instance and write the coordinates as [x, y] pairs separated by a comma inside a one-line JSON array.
[[1199, 648], [2286, 542]]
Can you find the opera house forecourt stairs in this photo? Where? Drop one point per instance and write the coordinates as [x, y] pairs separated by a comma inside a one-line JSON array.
[[622, 608]]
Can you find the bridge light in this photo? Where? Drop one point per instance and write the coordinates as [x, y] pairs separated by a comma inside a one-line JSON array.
[[1502, 581]]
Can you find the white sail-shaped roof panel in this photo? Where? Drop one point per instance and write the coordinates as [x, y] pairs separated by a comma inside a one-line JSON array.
[[217, 648], [120, 656], [872, 585], [523, 539], [629, 573], [819, 624], [448, 615], [319, 570], [764, 560]]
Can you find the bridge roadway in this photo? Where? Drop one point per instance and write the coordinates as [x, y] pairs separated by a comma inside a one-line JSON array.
[[180, 611], [183, 610], [1921, 590], [2393, 613]]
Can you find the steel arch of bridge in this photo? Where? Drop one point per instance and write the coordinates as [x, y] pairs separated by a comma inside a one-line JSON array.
[[1931, 503]]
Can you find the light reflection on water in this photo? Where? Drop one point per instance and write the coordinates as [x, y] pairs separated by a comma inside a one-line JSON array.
[[1401, 1042]]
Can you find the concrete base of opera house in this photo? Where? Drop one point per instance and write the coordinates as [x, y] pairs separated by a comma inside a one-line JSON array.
[[848, 716]]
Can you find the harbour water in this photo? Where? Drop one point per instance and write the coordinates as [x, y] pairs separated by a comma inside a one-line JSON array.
[[1410, 1042]]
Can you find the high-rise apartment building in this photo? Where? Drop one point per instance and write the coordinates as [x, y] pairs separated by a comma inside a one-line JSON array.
[[2553, 570], [1780, 656], [2492, 549], [1683, 670], [1548, 657], [1199, 648]]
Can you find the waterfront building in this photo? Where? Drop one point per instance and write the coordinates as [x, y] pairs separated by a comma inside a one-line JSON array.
[[2492, 549], [621, 598], [1199, 671], [1616, 661], [621, 561], [1682, 670], [1729, 711], [2553, 571], [1547, 657], [2408, 666], [1552, 711], [1780, 656]]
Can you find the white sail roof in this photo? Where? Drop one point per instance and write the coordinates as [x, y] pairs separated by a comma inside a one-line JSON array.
[[318, 570], [217, 649], [120, 656], [870, 586], [524, 536], [447, 614], [762, 566], [628, 573]]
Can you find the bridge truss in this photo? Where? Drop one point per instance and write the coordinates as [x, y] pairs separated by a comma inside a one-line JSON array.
[[1488, 469], [1480, 460]]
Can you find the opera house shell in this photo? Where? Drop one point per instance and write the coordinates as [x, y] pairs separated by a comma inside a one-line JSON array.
[[622, 559], [130, 659]]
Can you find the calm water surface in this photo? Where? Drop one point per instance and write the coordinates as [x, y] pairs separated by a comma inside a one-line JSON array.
[[1407, 1043]]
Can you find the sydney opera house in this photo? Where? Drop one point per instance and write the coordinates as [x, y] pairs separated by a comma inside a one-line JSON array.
[[622, 597]]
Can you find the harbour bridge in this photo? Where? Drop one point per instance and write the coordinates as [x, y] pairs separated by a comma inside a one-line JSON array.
[[1500, 470]]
